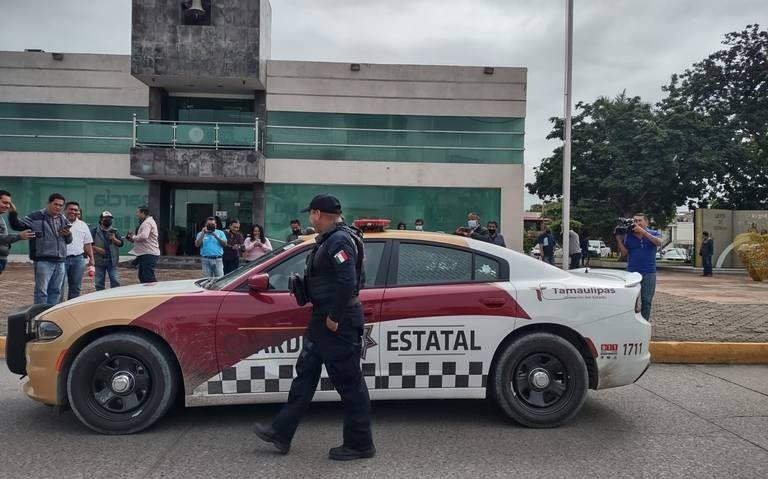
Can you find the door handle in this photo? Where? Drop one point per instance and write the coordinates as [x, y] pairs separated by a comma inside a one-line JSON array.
[[368, 311], [494, 302]]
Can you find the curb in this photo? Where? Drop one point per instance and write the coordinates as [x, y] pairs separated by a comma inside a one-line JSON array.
[[708, 353], [673, 352]]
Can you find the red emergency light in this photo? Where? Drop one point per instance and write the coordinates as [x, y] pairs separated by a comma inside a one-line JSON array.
[[371, 225]]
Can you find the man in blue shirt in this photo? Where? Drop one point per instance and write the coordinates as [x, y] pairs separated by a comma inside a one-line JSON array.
[[211, 242], [639, 245]]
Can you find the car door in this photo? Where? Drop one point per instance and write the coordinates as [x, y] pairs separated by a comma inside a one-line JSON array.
[[445, 311], [259, 334]]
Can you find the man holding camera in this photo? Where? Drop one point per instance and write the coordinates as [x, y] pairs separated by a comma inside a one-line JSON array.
[[48, 247], [639, 245], [106, 252], [474, 229], [211, 242]]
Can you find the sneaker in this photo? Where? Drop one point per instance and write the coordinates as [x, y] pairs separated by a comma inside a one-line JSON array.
[[267, 434], [344, 453]]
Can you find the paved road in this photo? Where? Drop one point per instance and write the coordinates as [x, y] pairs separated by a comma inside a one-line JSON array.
[[678, 421]]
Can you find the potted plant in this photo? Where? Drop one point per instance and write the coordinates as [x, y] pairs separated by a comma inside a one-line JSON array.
[[172, 240]]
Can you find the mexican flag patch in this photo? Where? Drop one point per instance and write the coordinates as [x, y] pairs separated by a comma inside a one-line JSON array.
[[341, 257]]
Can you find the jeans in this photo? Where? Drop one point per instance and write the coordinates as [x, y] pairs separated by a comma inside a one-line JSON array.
[[707, 264], [575, 259], [147, 264], [213, 267], [49, 278], [549, 257], [3, 262], [647, 290], [75, 267], [340, 352], [102, 270], [231, 265]]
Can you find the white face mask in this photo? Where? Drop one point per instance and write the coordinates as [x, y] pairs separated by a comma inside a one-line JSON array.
[[472, 223], [419, 228]]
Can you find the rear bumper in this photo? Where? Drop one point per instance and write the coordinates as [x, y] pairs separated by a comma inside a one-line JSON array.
[[622, 345]]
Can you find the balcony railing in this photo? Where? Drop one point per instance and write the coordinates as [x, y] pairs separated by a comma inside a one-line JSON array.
[[195, 134]]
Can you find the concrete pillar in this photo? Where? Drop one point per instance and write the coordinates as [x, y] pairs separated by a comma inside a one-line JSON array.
[[259, 204], [158, 104], [260, 112]]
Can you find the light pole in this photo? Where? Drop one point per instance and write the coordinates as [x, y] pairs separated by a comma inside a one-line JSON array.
[[567, 132]]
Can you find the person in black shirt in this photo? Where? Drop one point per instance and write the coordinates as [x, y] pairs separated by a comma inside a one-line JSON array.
[[295, 231], [334, 276], [234, 246]]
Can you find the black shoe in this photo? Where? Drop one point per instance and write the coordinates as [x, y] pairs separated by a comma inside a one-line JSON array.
[[267, 434], [344, 453]]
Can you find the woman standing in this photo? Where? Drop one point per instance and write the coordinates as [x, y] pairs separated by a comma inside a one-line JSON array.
[[256, 244]]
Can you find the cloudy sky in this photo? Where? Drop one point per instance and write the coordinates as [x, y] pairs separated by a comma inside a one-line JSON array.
[[618, 44]]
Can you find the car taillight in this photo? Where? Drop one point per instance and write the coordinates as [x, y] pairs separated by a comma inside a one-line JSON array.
[[637, 304]]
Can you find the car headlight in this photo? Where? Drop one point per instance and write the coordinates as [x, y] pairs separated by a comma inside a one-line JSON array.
[[47, 330]]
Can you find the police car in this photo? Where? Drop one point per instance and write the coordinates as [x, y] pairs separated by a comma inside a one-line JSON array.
[[446, 317]]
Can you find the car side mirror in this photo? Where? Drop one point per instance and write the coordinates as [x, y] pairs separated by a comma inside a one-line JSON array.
[[258, 281]]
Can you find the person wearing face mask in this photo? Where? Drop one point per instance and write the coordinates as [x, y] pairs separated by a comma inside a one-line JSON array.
[[494, 235], [295, 231], [418, 225], [334, 276], [473, 229], [106, 252], [211, 242]]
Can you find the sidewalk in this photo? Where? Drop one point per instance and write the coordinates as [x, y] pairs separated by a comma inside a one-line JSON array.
[[687, 307]]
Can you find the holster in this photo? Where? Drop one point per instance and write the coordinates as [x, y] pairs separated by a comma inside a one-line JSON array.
[[298, 289]]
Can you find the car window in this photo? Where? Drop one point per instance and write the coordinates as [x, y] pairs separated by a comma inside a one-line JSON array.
[[429, 264], [279, 274], [486, 269], [372, 261]]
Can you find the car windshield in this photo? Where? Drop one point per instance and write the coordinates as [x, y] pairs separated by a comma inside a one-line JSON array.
[[220, 283]]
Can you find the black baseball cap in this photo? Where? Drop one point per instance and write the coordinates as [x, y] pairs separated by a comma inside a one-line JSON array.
[[324, 203]]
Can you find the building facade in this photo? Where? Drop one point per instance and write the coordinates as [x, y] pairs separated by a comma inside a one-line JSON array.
[[193, 128]]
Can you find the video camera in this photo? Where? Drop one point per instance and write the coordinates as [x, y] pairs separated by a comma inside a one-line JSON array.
[[624, 226]]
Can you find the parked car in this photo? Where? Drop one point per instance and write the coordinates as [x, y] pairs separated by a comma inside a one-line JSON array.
[[598, 249], [673, 254], [446, 317]]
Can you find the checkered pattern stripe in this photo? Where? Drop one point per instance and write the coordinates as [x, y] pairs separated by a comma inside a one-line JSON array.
[[257, 377], [434, 375]]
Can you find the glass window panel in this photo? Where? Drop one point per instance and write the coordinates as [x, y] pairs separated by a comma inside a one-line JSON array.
[[427, 264], [486, 269]]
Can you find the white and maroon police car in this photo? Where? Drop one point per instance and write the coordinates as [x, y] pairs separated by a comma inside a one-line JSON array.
[[446, 317]]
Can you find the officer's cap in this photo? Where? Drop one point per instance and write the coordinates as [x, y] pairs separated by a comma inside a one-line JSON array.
[[324, 203]]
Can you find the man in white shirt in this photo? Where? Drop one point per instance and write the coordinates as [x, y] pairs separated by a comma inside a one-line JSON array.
[[77, 251], [146, 246]]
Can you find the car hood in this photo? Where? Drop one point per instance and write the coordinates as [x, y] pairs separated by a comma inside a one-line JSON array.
[[164, 288]]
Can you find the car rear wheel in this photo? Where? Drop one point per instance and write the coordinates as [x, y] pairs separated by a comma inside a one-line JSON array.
[[121, 383], [540, 380]]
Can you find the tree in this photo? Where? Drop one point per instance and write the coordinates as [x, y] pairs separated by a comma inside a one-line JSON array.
[[718, 111], [622, 163], [536, 208]]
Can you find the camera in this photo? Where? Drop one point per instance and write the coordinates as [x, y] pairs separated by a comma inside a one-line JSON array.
[[624, 226], [210, 228]]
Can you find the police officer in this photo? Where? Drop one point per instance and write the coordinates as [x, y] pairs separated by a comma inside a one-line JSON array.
[[333, 278]]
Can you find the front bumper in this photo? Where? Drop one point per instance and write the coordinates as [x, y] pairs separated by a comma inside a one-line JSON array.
[[20, 332]]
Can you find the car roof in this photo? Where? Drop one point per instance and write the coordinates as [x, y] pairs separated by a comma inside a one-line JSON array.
[[433, 237]]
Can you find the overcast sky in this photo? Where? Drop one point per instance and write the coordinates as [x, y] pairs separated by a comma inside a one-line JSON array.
[[618, 44]]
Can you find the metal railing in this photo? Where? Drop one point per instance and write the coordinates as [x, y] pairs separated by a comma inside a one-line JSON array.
[[195, 134], [50, 123]]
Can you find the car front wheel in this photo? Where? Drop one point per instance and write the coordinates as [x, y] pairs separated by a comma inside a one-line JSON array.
[[121, 383], [540, 380]]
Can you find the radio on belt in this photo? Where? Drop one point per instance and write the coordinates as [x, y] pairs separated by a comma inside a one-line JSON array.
[[371, 225]]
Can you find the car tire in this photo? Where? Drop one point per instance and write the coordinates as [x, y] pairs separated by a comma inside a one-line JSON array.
[[540, 380], [121, 383]]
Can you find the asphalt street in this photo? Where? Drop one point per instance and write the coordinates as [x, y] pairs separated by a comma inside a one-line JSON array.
[[677, 421]]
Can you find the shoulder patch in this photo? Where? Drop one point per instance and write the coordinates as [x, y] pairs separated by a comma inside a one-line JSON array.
[[341, 257]]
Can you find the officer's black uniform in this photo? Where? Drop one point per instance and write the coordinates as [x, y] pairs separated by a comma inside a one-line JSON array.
[[333, 278]]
